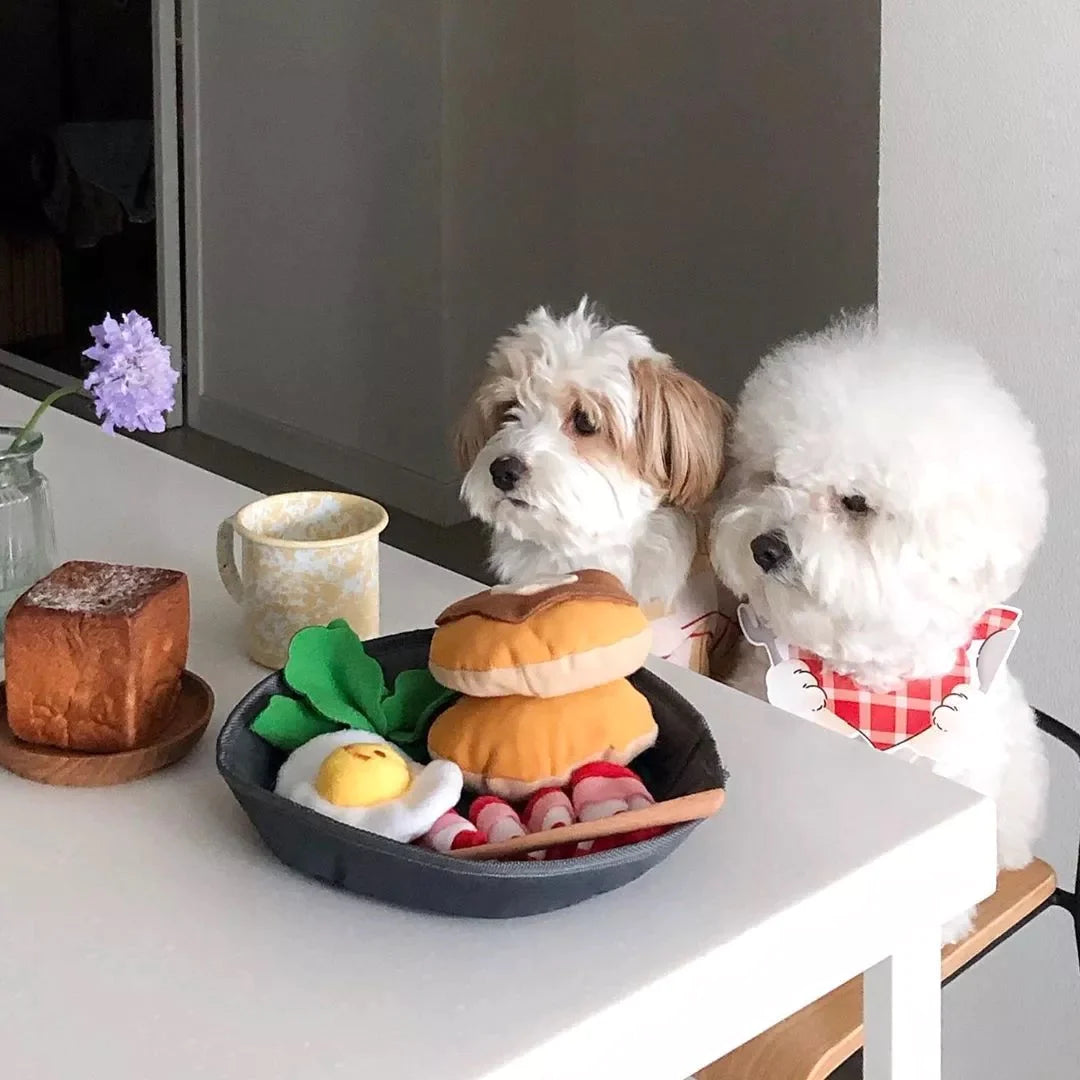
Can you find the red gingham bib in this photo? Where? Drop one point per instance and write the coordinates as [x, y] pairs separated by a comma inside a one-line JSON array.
[[888, 719]]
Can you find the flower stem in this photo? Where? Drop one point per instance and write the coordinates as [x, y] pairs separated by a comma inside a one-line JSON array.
[[54, 397]]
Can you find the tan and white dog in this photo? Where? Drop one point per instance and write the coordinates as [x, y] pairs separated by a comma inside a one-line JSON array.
[[585, 447]]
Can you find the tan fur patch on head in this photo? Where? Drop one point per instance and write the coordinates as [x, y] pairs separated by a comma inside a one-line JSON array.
[[680, 433], [483, 415]]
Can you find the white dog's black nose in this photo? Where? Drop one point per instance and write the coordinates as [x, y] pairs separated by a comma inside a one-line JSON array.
[[770, 550], [507, 471]]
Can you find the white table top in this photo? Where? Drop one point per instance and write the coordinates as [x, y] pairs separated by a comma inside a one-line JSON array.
[[146, 932]]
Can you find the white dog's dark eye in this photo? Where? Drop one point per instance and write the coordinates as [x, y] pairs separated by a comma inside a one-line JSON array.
[[583, 422], [855, 504]]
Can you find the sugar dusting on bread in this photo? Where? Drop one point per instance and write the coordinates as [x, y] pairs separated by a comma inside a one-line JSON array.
[[98, 588]]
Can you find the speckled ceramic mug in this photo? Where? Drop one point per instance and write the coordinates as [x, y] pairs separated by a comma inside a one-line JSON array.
[[307, 557]]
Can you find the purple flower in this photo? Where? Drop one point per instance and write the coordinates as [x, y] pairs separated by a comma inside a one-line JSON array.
[[133, 381]]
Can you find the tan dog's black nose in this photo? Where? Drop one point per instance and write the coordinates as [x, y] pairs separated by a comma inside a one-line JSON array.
[[507, 471]]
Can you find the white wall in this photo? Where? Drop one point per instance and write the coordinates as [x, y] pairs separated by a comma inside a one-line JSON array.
[[980, 236], [508, 203], [377, 189], [706, 171], [315, 280], [726, 170]]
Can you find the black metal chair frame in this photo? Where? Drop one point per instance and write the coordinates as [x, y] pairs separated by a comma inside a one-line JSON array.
[[1060, 897]]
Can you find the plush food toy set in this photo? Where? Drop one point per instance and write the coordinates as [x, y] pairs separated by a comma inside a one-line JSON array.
[[525, 722], [595, 793], [363, 780], [543, 672], [339, 686]]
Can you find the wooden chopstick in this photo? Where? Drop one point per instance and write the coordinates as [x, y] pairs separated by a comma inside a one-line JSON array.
[[701, 804]]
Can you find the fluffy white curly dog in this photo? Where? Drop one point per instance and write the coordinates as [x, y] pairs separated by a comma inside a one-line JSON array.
[[884, 493], [586, 447]]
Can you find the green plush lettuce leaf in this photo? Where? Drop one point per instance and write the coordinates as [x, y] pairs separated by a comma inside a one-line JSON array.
[[331, 668], [409, 709], [341, 686], [287, 723]]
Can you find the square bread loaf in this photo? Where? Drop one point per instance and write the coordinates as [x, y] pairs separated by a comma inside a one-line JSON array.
[[94, 654]]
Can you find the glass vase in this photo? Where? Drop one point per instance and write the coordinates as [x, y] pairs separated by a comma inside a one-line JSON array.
[[27, 536]]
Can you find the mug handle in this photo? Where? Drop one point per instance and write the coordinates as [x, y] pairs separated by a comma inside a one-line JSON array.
[[226, 560]]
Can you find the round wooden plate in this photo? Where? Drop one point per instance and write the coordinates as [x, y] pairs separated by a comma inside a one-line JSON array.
[[76, 768]]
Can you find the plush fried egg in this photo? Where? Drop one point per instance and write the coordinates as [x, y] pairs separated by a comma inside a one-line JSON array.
[[363, 780]]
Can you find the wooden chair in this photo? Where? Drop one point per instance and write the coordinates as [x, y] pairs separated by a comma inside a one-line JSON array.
[[812, 1043]]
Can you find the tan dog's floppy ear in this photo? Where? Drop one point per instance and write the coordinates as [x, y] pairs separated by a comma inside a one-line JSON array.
[[680, 433], [478, 423]]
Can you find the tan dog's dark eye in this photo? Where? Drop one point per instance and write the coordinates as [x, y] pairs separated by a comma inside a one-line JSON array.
[[583, 423], [855, 504]]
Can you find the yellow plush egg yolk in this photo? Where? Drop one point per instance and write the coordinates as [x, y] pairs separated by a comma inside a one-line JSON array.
[[362, 774]]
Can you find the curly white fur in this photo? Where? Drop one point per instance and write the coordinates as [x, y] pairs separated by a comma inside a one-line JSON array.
[[955, 506], [621, 498]]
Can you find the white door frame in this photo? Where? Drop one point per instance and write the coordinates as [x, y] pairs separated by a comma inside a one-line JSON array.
[[192, 268], [170, 313]]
